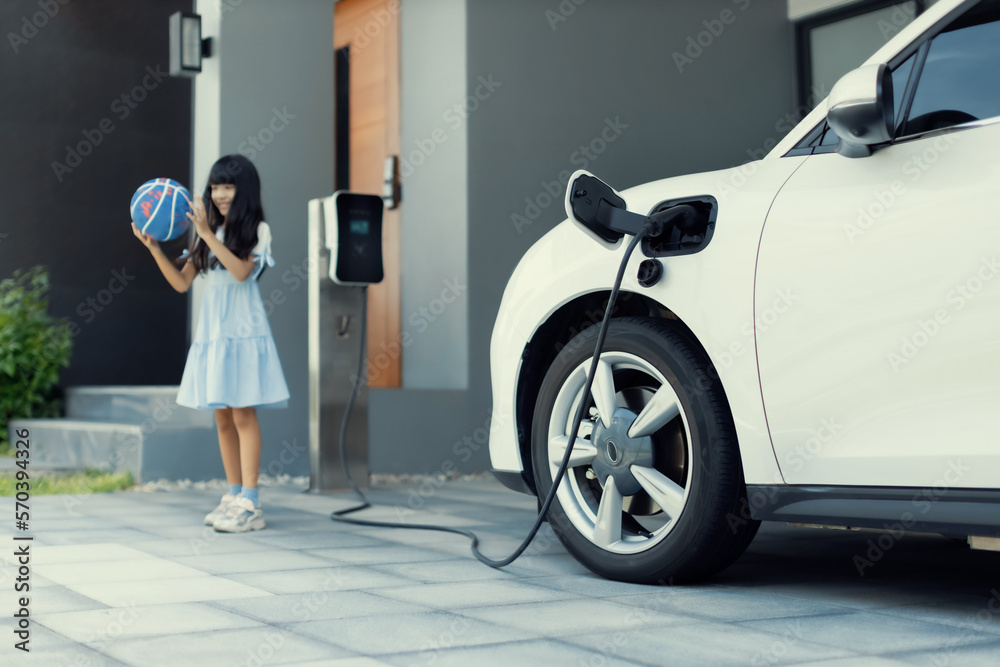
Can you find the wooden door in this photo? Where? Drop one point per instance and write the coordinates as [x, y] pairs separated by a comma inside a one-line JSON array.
[[366, 33]]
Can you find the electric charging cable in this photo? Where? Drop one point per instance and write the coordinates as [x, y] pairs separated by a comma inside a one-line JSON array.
[[649, 227]]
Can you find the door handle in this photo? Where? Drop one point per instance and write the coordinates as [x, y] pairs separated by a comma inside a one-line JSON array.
[[392, 189]]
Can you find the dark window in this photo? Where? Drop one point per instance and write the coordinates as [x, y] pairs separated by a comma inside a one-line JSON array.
[[900, 77], [342, 118], [960, 80]]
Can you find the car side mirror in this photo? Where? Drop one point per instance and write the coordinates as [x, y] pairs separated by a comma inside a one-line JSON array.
[[860, 109]]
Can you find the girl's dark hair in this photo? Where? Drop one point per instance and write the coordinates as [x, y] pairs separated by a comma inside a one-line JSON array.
[[245, 213]]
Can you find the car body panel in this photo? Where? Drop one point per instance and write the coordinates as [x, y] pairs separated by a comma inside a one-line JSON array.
[[886, 371], [566, 264]]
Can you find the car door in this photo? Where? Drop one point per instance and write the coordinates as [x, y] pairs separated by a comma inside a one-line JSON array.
[[885, 368]]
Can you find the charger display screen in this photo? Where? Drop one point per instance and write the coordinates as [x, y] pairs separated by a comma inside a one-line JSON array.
[[359, 229]]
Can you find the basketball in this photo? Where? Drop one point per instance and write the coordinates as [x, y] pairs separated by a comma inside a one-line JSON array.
[[160, 207]]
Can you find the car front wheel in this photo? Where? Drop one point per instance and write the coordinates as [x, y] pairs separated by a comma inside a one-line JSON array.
[[654, 488]]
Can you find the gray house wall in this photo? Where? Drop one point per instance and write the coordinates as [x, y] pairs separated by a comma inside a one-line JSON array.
[[562, 72], [271, 99], [87, 115]]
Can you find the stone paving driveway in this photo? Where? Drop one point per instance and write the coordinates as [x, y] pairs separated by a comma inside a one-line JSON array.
[[133, 578]]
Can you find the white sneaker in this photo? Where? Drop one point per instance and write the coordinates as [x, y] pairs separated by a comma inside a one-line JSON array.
[[241, 517], [220, 511]]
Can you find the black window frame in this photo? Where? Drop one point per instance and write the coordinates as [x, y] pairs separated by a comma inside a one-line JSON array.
[[803, 28], [919, 46]]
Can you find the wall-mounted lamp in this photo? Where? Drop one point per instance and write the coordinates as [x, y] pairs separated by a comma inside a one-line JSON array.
[[187, 48]]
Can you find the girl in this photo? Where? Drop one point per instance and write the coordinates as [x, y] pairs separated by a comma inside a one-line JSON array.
[[232, 366]]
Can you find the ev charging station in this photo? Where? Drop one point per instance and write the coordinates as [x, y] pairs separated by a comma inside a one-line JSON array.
[[345, 247]]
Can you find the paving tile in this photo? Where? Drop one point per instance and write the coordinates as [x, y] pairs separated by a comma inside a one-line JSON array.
[[254, 561], [9, 575], [853, 594], [436, 572], [41, 525], [345, 662], [40, 637], [380, 555], [205, 542], [163, 591], [860, 661], [398, 633], [978, 655], [393, 511], [305, 581], [316, 539], [969, 612], [270, 646], [533, 652], [61, 654], [83, 537], [473, 594], [795, 597], [593, 585], [54, 599], [705, 644], [106, 626], [317, 606], [872, 634], [719, 604], [79, 553], [554, 563], [93, 572], [573, 617]]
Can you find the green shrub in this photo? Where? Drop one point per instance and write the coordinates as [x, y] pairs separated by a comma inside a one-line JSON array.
[[33, 347]]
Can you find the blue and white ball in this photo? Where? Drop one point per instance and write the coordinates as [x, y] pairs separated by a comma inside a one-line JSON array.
[[160, 207]]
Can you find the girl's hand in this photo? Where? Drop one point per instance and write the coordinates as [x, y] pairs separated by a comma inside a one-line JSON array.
[[199, 219], [146, 239]]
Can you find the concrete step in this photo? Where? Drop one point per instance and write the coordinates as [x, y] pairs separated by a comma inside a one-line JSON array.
[[151, 406], [150, 452]]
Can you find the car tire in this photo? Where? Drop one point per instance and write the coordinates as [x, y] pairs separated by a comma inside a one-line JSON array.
[[654, 492]]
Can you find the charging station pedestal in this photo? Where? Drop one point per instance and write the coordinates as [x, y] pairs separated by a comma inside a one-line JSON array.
[[334, 346]]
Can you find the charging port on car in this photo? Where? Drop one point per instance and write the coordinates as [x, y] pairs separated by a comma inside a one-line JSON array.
[[687, 236]]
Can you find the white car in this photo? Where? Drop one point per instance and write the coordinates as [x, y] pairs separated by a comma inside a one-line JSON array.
[[822, 346]]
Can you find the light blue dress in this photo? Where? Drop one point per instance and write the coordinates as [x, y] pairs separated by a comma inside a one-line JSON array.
[[233, 361]]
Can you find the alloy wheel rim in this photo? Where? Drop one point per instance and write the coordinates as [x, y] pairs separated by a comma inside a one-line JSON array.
[[629, 475]]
